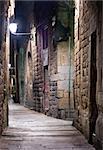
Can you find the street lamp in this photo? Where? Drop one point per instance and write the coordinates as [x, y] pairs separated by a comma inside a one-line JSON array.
[[13, 29]]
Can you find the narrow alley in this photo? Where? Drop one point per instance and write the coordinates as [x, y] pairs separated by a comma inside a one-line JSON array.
[[29, 130], [51, 67]]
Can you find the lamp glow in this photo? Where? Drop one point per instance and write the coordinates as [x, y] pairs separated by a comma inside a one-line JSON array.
[[13, 27]]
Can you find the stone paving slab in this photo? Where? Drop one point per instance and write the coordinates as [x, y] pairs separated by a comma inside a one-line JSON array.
[[29, 130]]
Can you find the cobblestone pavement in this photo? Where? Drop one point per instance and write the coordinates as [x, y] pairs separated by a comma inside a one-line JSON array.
[[29, 130]]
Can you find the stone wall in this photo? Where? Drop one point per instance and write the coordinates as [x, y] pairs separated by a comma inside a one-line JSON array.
[[2, 46], [38, 76], [33, 67], [61, 67], [86, 14], [21, 72], [30, 72], [53, 82], [51, 79], [61, 81], [79, 68], [99, 122], [23, 52], [4, 60]]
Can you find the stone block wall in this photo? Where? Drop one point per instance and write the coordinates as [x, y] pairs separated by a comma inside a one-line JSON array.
[[61, 69], [21, 72], [38, 85], [64, 83], [86, 13], [52, 82], [99, 92], [53, 101], [28, 100], [61, 82], [38, 77], [2, 46], [56, 91], [33, 70], [4, 74], [79, 85]]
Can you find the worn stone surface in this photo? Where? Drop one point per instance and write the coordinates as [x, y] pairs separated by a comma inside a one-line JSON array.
[[63, 78], [29, 72], [37, 75], [40, 132], [99, 123], [88, 19], [5, 12]]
